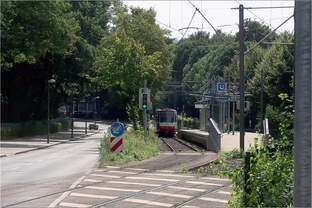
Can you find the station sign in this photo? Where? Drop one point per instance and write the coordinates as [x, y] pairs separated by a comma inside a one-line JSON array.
[[221, 87]]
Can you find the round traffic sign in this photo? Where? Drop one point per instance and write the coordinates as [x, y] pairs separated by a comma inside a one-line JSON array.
[[117, 129]]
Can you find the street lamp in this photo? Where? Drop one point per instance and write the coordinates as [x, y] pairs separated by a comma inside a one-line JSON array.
[[50, 81], [95, 112]]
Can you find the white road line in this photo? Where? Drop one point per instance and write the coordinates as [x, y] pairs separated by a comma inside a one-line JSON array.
[[93, 196], [149, 202], [131, 183], [92, 180], [224, 192], [111, 189], [155, 179], [213, 199], [203, 183], [138, 169], [169, 194], [165, 171], [65, 194], [66, 204], [215, 179], [170, 175], [104, 175], [114, 167], [187, 189], [118, 171]]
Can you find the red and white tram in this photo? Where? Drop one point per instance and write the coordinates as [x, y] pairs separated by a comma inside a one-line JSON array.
[[166, 121]]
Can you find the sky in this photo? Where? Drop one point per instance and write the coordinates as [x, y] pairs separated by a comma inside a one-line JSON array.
[[176, 15]]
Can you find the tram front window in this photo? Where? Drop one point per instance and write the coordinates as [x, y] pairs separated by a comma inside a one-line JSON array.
[[166, 117]]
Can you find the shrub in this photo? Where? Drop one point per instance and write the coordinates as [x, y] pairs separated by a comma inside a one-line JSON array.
[[134, 148]]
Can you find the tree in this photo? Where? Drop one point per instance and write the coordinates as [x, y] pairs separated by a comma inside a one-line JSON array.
[[123, 65]]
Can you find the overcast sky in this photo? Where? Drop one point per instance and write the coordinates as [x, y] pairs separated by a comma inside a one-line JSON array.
[[178, 14]]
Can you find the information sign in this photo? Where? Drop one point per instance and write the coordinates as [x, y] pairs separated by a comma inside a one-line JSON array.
[[117, 129]]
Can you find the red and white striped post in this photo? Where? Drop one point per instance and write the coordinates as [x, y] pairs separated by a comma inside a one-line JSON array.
[[117, 129], [116, 144]]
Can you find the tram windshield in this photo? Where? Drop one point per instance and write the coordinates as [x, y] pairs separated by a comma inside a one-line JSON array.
[[167, 116]]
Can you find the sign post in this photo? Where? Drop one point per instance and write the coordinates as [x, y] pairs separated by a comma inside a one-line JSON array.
[[117, 129]]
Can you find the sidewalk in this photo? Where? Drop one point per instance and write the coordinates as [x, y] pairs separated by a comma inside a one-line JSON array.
[[26, 144]]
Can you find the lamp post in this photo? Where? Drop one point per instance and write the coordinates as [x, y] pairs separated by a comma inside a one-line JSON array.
[[50, 81], [95, 112]]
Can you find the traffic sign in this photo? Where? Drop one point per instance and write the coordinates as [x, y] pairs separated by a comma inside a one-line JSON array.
[[208, 91], [116, 144], [117, 129], [221, 87]]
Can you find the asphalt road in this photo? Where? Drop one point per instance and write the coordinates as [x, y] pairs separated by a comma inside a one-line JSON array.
[[38, 173]]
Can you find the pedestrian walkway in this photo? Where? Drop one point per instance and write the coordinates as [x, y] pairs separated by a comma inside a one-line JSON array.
[[15, 146]]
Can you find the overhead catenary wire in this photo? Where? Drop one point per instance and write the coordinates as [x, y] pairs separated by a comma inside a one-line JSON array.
[[189, 23], [203, 17], [260, 41]]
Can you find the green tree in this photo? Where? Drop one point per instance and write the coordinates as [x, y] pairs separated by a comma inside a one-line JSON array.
[[123, 65]]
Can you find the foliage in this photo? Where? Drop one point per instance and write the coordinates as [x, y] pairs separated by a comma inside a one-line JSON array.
[[44, 40], [134, 148], [189, 122], [269, 177], [33, 128]]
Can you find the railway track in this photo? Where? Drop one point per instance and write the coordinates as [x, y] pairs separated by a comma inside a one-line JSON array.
[[178, 145]]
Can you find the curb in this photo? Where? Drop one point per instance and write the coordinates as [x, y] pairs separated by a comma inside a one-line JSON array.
[[45, 147]]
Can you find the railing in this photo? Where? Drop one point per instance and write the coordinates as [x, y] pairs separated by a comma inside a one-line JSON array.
[[214, 138]]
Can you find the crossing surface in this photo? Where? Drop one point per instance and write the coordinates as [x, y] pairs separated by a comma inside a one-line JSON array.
[[129, 187]]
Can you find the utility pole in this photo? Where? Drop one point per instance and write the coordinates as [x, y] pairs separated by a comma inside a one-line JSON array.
[[303, 105], [242, 78], [261, 101], [145, 114]]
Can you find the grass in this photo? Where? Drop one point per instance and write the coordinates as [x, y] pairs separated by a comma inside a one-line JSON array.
[[134, 148]]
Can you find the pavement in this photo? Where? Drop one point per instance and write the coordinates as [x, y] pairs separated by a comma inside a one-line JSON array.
[[20, 145]]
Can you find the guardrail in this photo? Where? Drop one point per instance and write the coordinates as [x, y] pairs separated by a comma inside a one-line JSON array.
[[214, 137]]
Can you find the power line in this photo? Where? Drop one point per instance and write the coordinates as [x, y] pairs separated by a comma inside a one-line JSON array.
[[189, 23], [268, 35], [203, 16]]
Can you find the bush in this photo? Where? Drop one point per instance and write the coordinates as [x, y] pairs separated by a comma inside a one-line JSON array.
[[267, 181], [32, 128], [190, 122], [134, 148]]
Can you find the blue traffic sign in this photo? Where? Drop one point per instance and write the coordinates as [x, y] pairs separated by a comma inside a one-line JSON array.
[[221, 87], [208, 91], [117, 129]]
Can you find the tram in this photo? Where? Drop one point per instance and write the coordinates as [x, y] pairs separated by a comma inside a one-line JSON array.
[[166, 122]]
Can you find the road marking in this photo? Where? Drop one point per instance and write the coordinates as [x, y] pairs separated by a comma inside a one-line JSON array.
[[104, 175], [172, 175], [149, 202], [118, 171], [165, 171], [187, 189], [216, 179], [93, 196], [224, 192], [111, 189], [138, 169], [203, 183], [66, 204], [155, 179], [114, 167], [169, 194], [130, 183], [213, 199], [65, 194], [92, 180]]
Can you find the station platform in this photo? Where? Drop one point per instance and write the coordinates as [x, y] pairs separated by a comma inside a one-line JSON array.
[[228, 141]]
